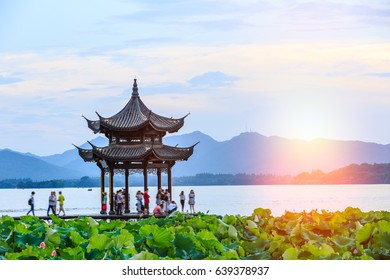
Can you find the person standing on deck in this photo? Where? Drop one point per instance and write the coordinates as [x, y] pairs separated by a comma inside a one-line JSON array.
[[146, 201], [191, 201], [31, 202], [182, 200], [61, 200], [52, 203], [104, 202], [119, 202], [158, 197]]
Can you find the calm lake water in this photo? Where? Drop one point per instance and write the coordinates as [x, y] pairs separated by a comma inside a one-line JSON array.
[[218, 199]]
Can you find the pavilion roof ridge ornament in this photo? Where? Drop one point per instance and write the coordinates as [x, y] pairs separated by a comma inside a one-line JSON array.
[[195, 144], [100, 117], [185, 116], [77, 147], [135, 89], [92, 145]]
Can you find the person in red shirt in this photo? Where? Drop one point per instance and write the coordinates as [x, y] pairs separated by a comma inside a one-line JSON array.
[[146, 201]]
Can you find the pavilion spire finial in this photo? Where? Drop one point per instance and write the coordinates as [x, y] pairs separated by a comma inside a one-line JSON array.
[[135, 88]]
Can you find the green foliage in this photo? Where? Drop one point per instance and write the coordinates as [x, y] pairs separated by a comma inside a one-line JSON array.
[[350, 234]]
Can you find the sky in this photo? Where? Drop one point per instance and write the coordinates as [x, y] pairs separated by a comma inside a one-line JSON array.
[[296, 69]]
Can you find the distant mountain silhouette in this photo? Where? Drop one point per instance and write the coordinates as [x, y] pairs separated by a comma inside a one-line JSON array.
[[249, 152], [70, 159], [14, 165]]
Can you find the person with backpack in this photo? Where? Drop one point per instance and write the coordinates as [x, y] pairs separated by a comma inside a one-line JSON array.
[[31, 203]]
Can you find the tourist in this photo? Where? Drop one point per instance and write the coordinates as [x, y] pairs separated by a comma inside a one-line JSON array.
[[191, 201], [124, 193], [172, 207], [157, 211], [61, 200], [31, 203], [104, 202], [55, 202], [159, 197], [139, 197], [139, 206], [182, 200], [167, 196], [146, 200], [119, 202], [116, 202], [52, 203]]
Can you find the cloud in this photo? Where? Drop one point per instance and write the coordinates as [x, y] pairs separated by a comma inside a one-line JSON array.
[[213, 79], [9, 80], [207, 80], [379, 75], [78, 90], [165, 88]]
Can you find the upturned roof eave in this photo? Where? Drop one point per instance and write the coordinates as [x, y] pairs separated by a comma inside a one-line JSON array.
[[97, 153]]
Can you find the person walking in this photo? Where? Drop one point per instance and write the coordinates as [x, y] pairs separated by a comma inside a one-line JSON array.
[[52, 203], [31, 203], [55, 203], [182, 200], [61, 200], [191, 201]]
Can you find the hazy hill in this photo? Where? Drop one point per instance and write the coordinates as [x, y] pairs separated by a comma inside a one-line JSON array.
[[248, 152], [14, 165], [251, 152], [70, 159]]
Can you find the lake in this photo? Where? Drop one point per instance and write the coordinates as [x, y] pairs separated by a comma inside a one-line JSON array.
[[217, 199]]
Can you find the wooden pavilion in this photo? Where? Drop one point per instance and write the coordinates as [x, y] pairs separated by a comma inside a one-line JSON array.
[[135, 137]]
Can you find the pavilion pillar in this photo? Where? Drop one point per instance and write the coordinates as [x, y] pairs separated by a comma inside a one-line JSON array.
[[102, 190], [112, 210], [126, 194], [170, 180], [158, 179], [145, 178]]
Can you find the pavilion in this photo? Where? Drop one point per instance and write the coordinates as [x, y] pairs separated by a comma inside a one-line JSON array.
[[135, 137]]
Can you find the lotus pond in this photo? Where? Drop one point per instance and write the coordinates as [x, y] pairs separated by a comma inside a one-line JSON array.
[[347, 235]]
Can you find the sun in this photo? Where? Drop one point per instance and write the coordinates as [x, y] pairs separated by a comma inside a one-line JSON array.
[[309, 125]]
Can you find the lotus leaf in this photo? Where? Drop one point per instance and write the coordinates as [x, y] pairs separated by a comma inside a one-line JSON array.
[[343, 241], [348, 234], [145, 256], [229, 219], [291, 254], [364, 233], [99, 242]]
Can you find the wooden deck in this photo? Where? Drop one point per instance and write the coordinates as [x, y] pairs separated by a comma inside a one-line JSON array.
[[129, 216]]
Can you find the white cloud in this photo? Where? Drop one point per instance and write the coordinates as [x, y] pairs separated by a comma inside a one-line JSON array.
[[273, 59]]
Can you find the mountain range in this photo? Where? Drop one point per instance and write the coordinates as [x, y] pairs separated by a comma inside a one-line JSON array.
[[249, 152]]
